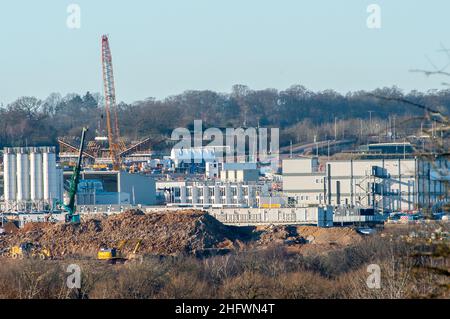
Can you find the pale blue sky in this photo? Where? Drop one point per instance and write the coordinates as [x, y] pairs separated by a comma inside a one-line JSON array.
[[162, 48]]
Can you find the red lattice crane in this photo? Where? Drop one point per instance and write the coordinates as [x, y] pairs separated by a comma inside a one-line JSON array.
[[110, 104]]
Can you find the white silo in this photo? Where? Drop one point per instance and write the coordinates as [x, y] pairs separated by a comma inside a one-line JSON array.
[[23, 175], [36, 180], [60, 184], [9, 175], [49, 175]]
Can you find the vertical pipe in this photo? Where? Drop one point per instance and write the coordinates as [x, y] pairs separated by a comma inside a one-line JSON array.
[[351, 183], [205, 194], [400, 196], [329, 183], [338, 193]]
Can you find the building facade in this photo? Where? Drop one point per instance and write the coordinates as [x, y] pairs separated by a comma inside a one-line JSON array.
[[384, 184], [206, 194]]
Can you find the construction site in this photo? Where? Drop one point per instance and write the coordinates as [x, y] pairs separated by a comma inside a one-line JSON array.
[[48, 193], [115, 204]]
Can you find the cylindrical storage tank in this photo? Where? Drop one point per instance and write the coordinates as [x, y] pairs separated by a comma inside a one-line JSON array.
[[9, 175], [228, 196], [239, 193], [194, 194], [36, 181], [50, 177], [205, 194], [60, 186], [23, 175], [217, 197], [183, 194]]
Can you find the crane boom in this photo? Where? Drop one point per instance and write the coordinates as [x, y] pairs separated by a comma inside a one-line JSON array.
[[110, 103], [70, 207]]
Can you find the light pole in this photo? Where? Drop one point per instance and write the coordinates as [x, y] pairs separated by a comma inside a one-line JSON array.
[[393, 119], [335, 128], [328, 149], [370, 121], [317, 145], [290, 150]]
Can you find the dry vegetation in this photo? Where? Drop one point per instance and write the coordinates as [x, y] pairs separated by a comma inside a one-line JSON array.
[[408, 270]]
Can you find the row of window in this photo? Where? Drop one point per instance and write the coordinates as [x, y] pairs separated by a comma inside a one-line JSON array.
[[211, 191], [306, 197], [201, 201]]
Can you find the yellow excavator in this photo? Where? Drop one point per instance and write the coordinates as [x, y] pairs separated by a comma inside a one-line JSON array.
[[28, 250], [115, 254], [133, 255]]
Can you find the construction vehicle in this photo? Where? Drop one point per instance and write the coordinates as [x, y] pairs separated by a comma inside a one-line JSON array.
[[133, 255], [27, 250], [112, 255], [71, 216], [115, 254]]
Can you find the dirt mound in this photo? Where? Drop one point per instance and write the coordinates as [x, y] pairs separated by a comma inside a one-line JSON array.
[[162, 233], [306, 239], [34, 226], [174, 232], [279, 235], [10, 228], [335, 235]]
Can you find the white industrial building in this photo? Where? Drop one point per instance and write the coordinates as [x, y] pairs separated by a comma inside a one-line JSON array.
[[183, 157], [384, 184], [232, 172], [239, 172], [206, 194], [31, 179]]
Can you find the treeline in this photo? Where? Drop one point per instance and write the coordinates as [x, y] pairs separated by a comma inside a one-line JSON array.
[[30, 121]]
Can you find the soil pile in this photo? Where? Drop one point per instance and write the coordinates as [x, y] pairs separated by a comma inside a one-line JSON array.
[[173, 233], [162, 233], [307, 239]]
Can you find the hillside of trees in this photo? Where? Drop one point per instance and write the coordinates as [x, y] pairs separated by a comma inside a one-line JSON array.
[[297, 111]]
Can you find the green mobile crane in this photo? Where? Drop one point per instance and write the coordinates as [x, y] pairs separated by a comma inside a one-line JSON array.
[[71, 216]]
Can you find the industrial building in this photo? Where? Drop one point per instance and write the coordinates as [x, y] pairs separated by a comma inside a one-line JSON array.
[[114, 187], [232, 172], [31, 179], [239, 172], [383, 184], [216, 194], [91, 192]]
